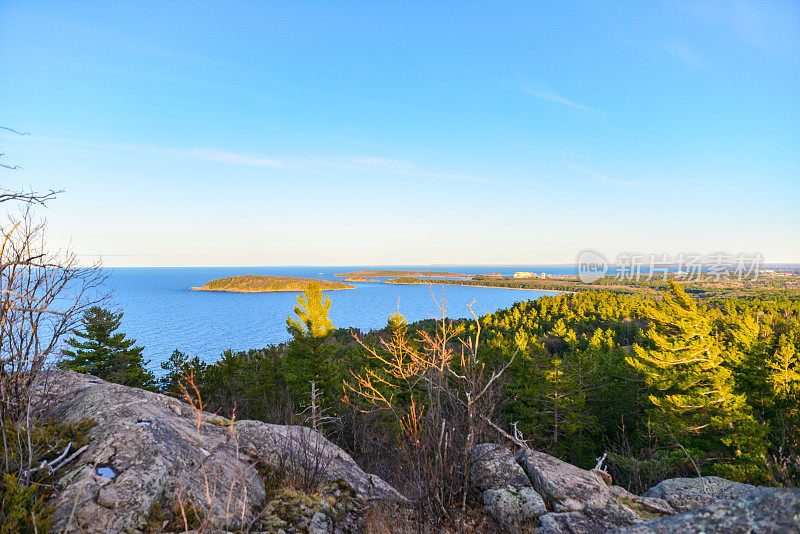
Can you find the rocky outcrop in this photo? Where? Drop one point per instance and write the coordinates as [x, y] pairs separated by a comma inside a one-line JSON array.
[[579, 500], [685, 494], [494, 466], [645, 507], [515, 508], [151, 459], [507, 493], [576, 501], [537, 491], [770, 510], [149, 454]]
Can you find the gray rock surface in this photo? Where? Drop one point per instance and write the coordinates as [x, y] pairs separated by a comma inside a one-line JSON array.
[[148, 452], [320, 524], [565, 488], [493, 466], [644, 506], [515, 508], [686, 494], [591, 519], [566, 523], [767, 511], [579, 500]]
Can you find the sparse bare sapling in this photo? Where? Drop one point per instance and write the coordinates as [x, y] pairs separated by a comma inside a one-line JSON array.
[[43, 293], [441, 396], [199, 510]]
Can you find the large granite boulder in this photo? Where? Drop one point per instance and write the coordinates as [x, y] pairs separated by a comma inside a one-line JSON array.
[[579, 500], [564, 487], [766, 511], [515, 508], [686, 494], [564, 499], [149, 452], [504, 487], [494, 466]]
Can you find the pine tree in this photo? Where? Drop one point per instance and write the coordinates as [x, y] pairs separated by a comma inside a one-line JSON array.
[[101, 351], [309, 357], [784, 369], [397, 324], [693, 399], [179, 368]]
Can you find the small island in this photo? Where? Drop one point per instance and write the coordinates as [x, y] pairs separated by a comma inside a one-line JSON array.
[[251, 283], [416, 274], [360, 279]]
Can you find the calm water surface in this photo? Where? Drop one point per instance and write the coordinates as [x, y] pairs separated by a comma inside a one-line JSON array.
[[162, 314]]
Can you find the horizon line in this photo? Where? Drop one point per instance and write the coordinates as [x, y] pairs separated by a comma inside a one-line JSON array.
[[764, 265]]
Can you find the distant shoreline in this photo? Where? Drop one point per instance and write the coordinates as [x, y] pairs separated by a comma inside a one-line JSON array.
[[388, 273], [476, 285]]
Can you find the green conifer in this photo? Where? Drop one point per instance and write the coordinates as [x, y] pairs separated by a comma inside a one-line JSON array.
[[693, 399], [99, 350], [179, 367], [309, 357]]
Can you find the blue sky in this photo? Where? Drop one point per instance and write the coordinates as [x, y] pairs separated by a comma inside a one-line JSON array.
[[335, 133]]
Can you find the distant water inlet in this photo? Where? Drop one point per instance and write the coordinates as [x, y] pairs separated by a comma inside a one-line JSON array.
[[163, 314]]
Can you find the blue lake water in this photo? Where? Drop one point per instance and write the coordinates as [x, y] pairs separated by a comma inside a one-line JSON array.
[[162, 314]]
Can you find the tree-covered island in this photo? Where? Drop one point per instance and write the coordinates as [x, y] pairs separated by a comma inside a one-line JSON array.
[[251, 283]]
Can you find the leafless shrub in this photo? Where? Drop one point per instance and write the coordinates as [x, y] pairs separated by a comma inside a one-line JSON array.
[[784, 469], [306, 459], [43, 294], [441, 397], [639, 469]]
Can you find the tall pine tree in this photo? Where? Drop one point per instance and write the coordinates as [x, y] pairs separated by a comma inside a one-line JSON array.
[[693, 400], [99, 350], [309, 357]]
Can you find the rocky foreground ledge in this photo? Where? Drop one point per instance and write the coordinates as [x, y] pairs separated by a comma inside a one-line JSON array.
[[153, 461], [533, 492], [150, 457]]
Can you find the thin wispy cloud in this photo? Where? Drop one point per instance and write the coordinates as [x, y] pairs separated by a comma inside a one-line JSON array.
[[602, 177], [673, 47], [772, 27], [396, 167], [683, 52], [545, 93], [215, 155], [369, 164]]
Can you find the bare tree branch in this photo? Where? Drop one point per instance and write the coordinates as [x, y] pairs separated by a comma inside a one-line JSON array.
[[6, 128]]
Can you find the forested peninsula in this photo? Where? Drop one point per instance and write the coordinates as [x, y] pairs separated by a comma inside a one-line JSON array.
[[251, 283], [392, 274], [766, 286]]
